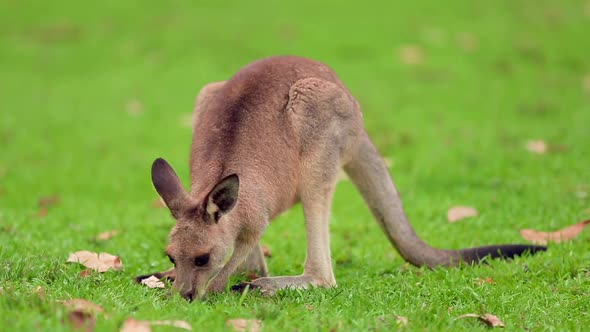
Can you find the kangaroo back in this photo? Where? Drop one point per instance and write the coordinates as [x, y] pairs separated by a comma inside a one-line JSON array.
[[369, 173]]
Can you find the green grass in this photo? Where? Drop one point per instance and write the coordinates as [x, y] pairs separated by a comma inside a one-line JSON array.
[[454, 125]]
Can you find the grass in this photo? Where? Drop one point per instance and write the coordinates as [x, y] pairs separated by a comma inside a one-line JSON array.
[[92, 92]]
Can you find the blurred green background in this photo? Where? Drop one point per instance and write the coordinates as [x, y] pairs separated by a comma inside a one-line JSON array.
[[92, 92]]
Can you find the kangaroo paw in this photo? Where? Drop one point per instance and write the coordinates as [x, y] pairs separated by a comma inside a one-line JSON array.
[[169, 275]]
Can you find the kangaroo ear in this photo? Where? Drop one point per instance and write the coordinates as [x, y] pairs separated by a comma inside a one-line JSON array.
[[168, 186], [223, 197]]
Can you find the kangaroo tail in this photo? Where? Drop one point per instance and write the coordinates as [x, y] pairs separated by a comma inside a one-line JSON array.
[[369, 173]]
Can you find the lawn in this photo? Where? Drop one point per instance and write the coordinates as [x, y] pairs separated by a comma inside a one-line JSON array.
[[93, 92]]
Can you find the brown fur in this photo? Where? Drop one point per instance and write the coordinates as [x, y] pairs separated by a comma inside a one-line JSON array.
[[275, 134]]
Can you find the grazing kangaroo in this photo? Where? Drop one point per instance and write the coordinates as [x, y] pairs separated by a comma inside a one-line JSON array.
[[275, 134]]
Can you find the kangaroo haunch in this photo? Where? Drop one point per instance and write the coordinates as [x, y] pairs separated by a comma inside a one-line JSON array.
[[275, 134]]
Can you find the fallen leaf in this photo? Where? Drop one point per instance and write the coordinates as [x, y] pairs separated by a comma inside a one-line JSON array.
[[536, 146], [134, 107], [153, 282], [240, 324], [85, 273], [489, 319], [467, 41], [586, 83], [158, 203], [401, 320], [40, 292], [132, 325], [106, 235], [266, 251], [82, 305], [42, 213], [487, 280], [186, 120], [411, 54], [81, 321], [48, 201], [564, 234], [101, 262], [181, 324], [457, 213]]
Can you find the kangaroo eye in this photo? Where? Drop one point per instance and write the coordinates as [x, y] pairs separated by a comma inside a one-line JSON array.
[[171, 260], [202, 260]]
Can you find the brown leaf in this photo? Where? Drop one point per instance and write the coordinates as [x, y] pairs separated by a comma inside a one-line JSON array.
[[134, 107], [586, 81], [81, 321], [536, 146], [153, 282], [411, 54], [106, 235], [132, 325], [40, 292], [457, 213], [101, 262], [564, 234], [489, 319], [467, 41], [241, 324], [82, 305], [488, 280], [401, 320], [266, 251], [42, 213], [48, 201], [186, 120], [158, 203], [85, 273], [181, 324]]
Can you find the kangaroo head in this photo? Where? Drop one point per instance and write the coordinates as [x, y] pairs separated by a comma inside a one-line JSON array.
[[199, 242]]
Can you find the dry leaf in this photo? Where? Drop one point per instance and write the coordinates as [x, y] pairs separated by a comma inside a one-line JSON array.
[[181, 324], [106, 235], [85, 273], [81, 321], [158, 203], [564, 234], [48, 201], [132, 325], [586, 81], [82, 305], [467, 41], [489, 319], [240, 324], [411, 54], [401, 320], [42, 213], [536, 146], [186, 120], [487, 280], [100, 262], [457, 213], [153, 282], [134, 107], [40, 292], [266, 251]]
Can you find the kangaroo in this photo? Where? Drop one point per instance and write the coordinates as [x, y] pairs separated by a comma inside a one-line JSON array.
[[275, 134]]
